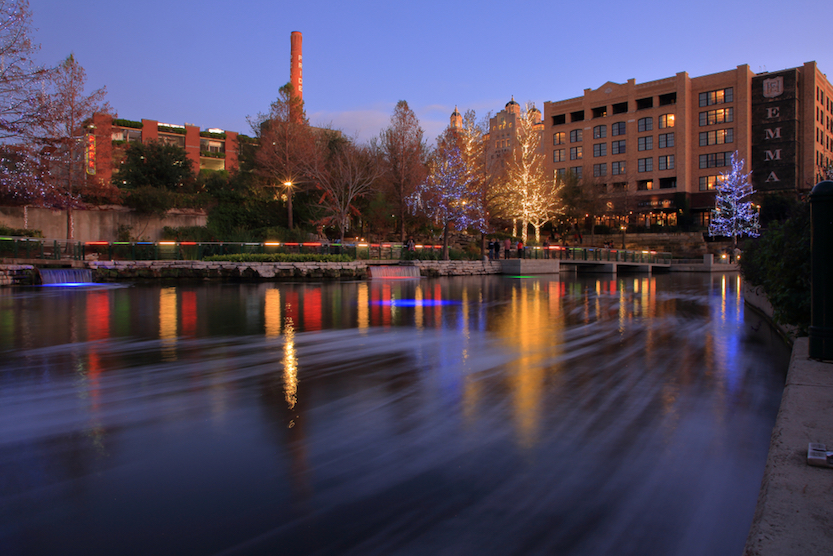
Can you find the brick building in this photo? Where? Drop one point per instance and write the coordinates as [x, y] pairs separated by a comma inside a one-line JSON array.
[[212, 149], [656, 148]]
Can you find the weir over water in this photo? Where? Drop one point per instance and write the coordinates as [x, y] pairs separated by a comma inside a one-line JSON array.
[[52, 276], [487, 415]]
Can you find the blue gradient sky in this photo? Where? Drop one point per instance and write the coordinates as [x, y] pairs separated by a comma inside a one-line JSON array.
[[214, 62]]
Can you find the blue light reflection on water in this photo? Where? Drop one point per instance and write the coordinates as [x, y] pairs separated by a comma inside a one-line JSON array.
[[583, 416]]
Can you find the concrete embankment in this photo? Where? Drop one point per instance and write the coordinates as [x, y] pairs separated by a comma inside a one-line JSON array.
[[105, 271], [794, 514], [113, 271]]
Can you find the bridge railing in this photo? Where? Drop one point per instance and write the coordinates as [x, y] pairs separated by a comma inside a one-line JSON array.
[[62, 249], [597, 254]]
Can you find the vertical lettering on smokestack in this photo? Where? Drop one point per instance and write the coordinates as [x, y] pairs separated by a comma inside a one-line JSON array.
[[296, 65]]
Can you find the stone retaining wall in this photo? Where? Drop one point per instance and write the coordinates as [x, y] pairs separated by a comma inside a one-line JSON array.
[[16, 274], [109, 271], [113, 271], [456, 268]]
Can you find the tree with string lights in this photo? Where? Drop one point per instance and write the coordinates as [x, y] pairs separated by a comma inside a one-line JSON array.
[[448, 195], [525, 191], [733, 214]]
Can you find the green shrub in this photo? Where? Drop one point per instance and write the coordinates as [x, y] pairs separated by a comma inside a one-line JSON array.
[[19, 232], [171, 129], [121, 122], [779, 262], [149, 200]]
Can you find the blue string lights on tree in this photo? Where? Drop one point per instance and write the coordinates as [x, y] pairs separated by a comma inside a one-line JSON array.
[[447, 195], [734, 214]]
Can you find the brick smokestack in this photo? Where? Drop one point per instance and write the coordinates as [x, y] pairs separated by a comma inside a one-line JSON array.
[[296, 65]]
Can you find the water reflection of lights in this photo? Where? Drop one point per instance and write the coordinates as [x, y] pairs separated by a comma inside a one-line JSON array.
[[363, 312], [272, 313], [290, 366], [167, 323], [416, 302]]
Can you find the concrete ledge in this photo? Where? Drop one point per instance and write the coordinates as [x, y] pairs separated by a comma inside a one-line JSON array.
[[794, 514], [522, 267]]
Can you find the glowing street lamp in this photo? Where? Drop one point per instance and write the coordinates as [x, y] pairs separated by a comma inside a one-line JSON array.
[[288, 185]]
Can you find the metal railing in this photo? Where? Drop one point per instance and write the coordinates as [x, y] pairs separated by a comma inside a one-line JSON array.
[[62, 249]]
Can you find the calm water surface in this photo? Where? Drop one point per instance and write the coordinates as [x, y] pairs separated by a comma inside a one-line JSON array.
[[495, 415]]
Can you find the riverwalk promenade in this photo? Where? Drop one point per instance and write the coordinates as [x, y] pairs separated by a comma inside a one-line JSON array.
[[794, 514]]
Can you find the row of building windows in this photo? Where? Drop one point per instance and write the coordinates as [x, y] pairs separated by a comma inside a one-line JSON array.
[[622, 186], [617, 108], [619, 167], [715, 160], [717, 137], [707, 183], [616, 129], [616, 169], [720, 96], [710, 117], [717, 116]]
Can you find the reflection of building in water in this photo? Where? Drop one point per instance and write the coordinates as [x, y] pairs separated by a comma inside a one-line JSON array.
[[189, 313], [272, 313], [363, 309], [312, 308], [167, 323]]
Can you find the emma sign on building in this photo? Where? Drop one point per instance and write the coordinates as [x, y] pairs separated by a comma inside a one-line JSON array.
[[774, 131]]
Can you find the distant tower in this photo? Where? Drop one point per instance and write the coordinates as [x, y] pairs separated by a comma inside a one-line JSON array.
[[456, 119], [296, 65], [513, 107]]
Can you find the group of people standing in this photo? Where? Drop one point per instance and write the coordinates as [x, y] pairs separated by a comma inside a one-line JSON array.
[[495, 245]]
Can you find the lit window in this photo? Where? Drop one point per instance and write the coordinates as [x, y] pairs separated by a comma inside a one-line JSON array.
[[617, 168], [666, 162], [575, 153], [558, 138], [666, 120]]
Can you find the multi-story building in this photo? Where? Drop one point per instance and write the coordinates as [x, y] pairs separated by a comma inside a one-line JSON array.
[[502, 137], [656, 148], [211, 149]]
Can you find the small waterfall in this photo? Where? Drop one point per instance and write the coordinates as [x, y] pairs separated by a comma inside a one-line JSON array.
[[65, 275], [393, 271]]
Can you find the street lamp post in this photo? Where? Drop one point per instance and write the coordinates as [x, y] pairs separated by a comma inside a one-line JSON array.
[[288, 185]]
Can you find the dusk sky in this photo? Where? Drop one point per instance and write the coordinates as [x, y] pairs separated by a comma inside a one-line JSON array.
[[212, 63]]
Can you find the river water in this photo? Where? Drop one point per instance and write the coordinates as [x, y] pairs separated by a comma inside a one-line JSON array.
[[487, 415]]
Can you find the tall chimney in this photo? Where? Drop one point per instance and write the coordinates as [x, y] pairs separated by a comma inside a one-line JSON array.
[[296, 65]]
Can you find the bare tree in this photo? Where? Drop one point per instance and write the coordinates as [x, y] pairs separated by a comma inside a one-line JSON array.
[[404, 152], [67, 122], [21, 79], [344, 172], [286, 143]]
